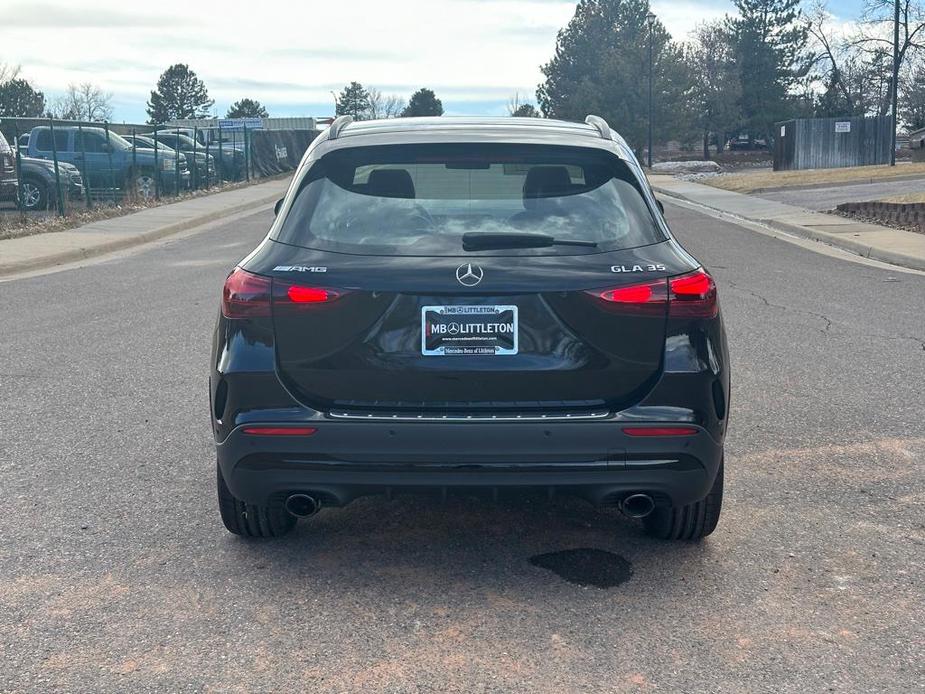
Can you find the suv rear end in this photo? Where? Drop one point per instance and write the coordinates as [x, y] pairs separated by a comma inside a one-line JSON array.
[[447, 305]]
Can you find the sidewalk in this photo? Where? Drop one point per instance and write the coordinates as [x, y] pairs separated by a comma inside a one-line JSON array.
[[55, 248], [904, 248]]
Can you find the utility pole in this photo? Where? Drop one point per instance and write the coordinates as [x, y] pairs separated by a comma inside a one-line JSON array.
[[895, 95], [650, 22]]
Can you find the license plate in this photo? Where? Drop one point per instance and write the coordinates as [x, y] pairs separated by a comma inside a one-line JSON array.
[[468, 330]]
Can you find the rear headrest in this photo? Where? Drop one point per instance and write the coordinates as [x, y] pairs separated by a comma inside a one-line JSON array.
[[545, 182], [390, 183]]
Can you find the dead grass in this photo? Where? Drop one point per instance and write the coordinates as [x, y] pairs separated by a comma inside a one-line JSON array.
[[907, 198], [754, 181]]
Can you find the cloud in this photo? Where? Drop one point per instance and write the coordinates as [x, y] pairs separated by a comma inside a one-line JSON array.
[[339, 54], [32, 15]]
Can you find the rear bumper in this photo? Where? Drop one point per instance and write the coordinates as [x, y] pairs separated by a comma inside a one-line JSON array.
[[593, 459]]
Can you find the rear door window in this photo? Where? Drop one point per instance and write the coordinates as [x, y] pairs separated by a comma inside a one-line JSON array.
[[422, 199], [43, 141]]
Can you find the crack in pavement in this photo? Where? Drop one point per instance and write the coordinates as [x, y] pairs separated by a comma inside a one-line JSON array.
[[828, 321]]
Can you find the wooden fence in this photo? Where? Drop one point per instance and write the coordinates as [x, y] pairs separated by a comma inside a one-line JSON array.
[[830, 143]]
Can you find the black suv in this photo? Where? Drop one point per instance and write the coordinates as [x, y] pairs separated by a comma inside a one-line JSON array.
[[459, 304]]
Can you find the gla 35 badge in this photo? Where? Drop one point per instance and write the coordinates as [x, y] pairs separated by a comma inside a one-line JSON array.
[[657, 267]]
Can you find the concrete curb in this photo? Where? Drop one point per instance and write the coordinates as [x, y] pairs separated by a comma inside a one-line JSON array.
[[119, 244], [855, 246], [860, 248]]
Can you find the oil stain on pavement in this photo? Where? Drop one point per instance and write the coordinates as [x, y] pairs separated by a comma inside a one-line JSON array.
[[586, 567]]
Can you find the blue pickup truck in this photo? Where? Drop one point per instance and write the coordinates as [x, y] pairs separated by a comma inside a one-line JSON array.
[[109, 162]]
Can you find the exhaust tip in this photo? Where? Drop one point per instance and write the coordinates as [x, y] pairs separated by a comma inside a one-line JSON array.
[[638, 505], [302, 505]]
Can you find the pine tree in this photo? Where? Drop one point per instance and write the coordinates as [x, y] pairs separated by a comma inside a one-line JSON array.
[[353, 101], [423, 103], [601, 66], [247, 108], [912, 99], [19, 99], [179, 94], [770, 39]]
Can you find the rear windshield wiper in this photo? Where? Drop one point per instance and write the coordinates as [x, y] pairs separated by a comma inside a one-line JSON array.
[[483, 241]]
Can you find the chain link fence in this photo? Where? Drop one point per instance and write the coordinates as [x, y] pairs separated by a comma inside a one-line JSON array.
[[52, 166]]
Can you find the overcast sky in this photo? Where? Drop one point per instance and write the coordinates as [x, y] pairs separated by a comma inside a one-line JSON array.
[[289, 54]]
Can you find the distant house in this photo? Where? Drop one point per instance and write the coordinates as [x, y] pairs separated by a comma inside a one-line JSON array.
[[917, 144]]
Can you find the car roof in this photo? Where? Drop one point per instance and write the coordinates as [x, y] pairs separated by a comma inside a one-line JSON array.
[[346, 132], [475, 127]]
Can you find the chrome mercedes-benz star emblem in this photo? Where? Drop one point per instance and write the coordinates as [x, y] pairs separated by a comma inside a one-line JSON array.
[[469, 275]]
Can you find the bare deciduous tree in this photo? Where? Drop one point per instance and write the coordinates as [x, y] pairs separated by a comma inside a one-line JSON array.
[[8, 72], [715, 85], [382, 106], [876, 30], [85, 102]]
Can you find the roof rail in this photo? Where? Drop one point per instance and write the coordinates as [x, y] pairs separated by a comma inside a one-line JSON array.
[[337, 125], [600, 124]]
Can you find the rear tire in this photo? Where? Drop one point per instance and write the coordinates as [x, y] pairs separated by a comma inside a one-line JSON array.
[[249, 520], [691, 522]]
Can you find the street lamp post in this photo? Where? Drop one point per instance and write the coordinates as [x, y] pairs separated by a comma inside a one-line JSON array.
[[650, 22], [335, 103], [895, 95]]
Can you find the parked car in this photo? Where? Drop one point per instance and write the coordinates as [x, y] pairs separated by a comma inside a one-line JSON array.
[[23, 144], [38, 190], [743, 143], [229, 157], [9, 187], [108, 163], [469, 304], [142, 142], [204, 171]]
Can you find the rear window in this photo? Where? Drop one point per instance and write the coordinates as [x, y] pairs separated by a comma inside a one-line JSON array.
[[422, 199]]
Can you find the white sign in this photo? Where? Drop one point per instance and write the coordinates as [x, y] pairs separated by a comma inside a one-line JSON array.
[[240, 123], [783, 131], [843, 126]]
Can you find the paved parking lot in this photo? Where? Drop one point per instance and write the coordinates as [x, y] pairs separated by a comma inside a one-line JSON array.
[[115, 572]]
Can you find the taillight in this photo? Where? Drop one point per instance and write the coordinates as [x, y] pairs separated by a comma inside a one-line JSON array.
[[688, 296], [246, 295], [286, 295], [308, 295], [645, 298], [692, 295]]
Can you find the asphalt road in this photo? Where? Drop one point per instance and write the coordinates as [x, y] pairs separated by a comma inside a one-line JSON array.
[[829, 198], [116, 575]]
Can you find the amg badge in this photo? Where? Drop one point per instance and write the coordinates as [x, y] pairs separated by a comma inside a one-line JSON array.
[[299, 268]]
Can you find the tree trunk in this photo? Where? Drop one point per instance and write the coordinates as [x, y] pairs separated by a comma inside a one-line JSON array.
[[706, 145]]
